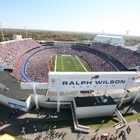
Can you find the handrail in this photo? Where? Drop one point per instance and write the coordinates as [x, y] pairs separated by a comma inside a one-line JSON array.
[[78, 127], [122, 121]]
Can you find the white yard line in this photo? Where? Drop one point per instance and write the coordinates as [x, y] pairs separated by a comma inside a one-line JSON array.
[[75, 64], [62, 63], [82, 64], [55, 62]]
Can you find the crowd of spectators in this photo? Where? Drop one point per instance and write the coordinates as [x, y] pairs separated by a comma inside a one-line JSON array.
[[126, 56], [16, 72], [37, 66], [116, 64], [95, 62], [11, 51]]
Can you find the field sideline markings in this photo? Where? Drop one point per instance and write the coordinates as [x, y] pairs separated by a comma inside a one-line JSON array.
[[69, 66], [55, 62], [81, 64], [62, 63], [74, 63]]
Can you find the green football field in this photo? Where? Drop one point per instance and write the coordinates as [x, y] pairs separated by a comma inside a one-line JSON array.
[[69, 63]]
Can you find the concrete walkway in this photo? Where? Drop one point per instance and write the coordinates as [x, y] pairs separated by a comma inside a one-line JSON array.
[[15, 121]]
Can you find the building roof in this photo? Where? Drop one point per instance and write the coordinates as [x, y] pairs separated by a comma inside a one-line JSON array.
[[115, 39]]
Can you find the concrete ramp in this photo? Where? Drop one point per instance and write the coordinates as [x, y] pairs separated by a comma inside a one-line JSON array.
[[122, 121], [77, 127], [2, 86]]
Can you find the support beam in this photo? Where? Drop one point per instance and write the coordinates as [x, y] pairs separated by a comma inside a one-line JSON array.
[[105, 92], [47, 92], [35, 93], [78, 93], [58, 95], [137, 95], [124, 94]]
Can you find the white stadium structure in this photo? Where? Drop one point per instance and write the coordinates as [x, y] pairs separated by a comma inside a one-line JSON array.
[[26, 79], [116, 40]]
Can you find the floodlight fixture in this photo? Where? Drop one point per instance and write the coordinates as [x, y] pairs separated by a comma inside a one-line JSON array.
[[2, 32], [127, 31], [25, 31], [102, 32]]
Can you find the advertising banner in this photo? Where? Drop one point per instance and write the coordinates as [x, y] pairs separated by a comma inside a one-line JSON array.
[[79, 81], [13, 105]]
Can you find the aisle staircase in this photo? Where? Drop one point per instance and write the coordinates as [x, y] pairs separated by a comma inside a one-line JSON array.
[[77, 127], [122, 121]]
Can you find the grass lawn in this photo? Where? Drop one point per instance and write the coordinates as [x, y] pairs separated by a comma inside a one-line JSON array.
[[131, 117], [85, 64], [67, 63], [91, 122], [59, 124]]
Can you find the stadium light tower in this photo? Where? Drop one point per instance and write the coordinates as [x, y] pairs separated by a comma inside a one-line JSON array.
[[2, 32], [102, 32], [25, 31], [127, 31]]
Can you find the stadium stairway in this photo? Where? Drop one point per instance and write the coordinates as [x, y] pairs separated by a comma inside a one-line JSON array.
[[77, 127], [122, 121]]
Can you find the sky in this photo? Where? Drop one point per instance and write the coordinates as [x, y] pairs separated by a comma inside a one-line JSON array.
[[95, 16]]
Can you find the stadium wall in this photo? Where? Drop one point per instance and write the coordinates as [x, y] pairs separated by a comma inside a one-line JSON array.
[[30, 85], [95, 111], [116, 94], [8, 101], [2, 68], [136, 68], [29, 103], [52, 102], [88, 111]]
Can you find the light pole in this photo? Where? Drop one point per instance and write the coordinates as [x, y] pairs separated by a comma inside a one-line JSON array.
[[127, 31], [2, 32], [25, 31], [102, 32], [35, 93], [23, 128]]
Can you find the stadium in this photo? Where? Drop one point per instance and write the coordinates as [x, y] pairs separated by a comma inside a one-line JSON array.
[[92, 76]]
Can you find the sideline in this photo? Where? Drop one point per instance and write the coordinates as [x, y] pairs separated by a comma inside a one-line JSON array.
[[82, 64], [55, 62]]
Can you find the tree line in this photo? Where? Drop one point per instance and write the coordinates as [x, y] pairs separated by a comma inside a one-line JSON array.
[[58, 36], [47, 35]]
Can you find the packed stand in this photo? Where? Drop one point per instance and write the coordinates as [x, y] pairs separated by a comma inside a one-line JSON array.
[[16, 72], [37, 66], [126, 56], [118, 65], [11, 51]]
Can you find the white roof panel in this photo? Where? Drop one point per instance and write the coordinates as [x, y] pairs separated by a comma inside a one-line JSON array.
[[115, 39], [110, 36]]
